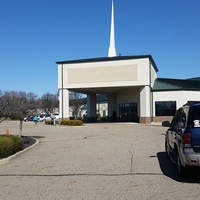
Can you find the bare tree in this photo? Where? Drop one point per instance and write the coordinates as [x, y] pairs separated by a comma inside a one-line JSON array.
[[6, 105], [24, 104], [17, 105], [21, 104], [49, 102], [75, 102]]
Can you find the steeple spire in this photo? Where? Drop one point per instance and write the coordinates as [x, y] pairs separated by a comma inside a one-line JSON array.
[[112, 50]]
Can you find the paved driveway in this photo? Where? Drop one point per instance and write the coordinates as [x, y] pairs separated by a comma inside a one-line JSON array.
[[120, 161]]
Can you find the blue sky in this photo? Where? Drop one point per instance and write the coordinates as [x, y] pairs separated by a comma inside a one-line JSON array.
[[34, 34]]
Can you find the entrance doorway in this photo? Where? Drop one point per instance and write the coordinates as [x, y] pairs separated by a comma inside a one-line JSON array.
[[128, 112]]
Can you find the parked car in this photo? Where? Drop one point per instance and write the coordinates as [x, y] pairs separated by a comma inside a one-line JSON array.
[[44, 118], [55, 116], [40, 118], [29, 118], [182, 140]]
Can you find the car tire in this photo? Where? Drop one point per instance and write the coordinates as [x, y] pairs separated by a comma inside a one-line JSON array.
[[181, 169], [166, 149]]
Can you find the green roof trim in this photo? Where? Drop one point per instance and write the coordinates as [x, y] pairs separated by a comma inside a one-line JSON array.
[[194, 79], [99, 98], [166, 84]]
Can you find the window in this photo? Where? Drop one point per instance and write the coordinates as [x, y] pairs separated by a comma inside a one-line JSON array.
[[193, 102], [180, 119], [104, 113], [165, 108], [195, 116], [128, 112]]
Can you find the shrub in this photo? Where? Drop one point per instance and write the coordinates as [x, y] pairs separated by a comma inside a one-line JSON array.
[[14, 118], [18, 143], [104, 118], [10, 145], [49, 122], [72, 122], [6, 146]]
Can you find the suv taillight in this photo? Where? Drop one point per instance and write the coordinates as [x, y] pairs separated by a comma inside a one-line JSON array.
[[187, 140]]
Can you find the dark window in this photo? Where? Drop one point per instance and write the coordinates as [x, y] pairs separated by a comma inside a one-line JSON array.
[[193, 102], [194, 116], [128, 112], [165, 108], [180, 119]]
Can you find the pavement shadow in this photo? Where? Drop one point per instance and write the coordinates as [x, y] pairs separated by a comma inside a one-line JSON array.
[[170, 170], [29, 141], [38, 137]]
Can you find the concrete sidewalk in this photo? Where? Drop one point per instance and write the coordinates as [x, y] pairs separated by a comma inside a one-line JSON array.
[[95, 161]]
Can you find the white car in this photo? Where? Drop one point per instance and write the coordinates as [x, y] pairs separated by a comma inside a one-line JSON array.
[[44, 118], [55, 116]]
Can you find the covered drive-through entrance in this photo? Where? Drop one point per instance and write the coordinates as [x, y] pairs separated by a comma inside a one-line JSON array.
[[127, 81]]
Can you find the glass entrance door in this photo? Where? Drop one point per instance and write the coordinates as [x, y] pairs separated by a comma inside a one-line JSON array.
[[128, 112]]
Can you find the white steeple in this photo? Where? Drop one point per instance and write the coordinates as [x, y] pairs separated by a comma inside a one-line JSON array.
[[112, 50]]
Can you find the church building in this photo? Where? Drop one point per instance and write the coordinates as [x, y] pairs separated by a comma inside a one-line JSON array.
[[134, 92]]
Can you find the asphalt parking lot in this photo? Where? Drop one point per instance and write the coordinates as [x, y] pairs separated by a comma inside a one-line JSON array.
[[103, 161]]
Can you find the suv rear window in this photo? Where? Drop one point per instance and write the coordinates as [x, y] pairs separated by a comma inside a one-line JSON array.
[[195, 116]]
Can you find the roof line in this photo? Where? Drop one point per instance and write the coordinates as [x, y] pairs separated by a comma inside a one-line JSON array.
[[169, 84], [102, 59], [178, 89]]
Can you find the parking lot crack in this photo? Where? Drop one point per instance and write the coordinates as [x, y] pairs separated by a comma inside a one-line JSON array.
[[131, 152]]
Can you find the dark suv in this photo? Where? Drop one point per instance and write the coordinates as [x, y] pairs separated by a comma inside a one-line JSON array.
[[182, 141]]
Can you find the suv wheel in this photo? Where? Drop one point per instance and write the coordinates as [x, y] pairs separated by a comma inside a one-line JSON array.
[[180, 167], [166, 149]]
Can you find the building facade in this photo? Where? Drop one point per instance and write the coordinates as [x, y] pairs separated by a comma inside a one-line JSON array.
[[134, 92], [170, 94], [127, 81]]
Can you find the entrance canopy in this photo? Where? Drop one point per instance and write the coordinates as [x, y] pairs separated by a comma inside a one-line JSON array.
[[127, 79], [102, 75]]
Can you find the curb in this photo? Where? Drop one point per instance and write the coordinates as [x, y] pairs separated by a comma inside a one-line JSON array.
[[8, 159]]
